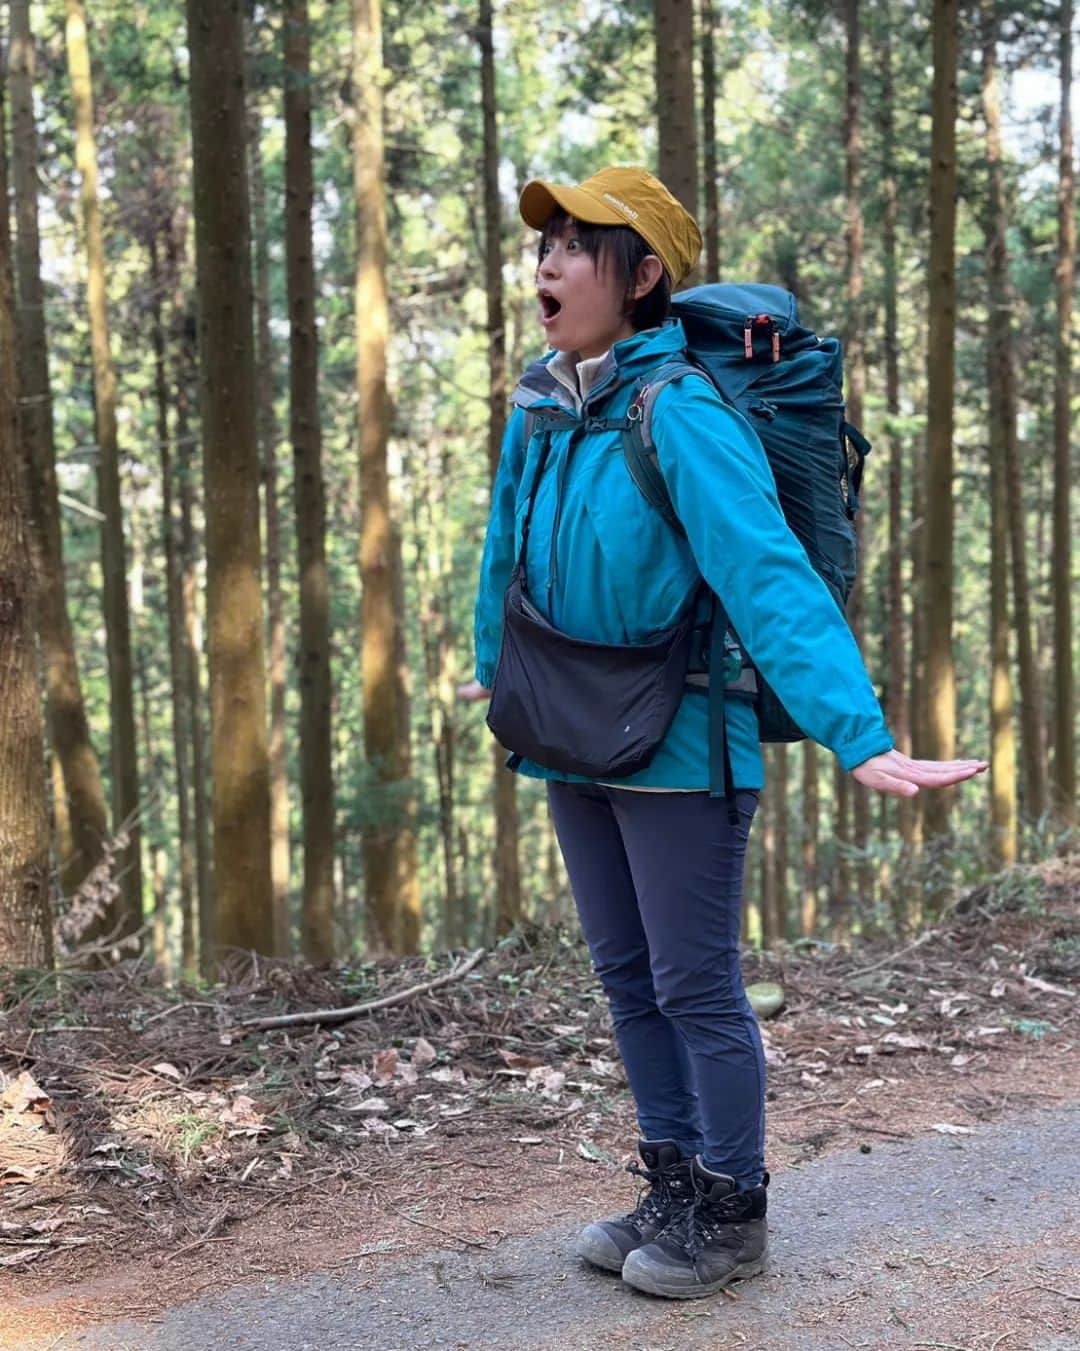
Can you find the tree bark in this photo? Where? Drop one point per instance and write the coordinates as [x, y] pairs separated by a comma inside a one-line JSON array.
[[25, 921], [83, 792], [125, 768], [316, 754], [1064, 764], [275, 610], [895, 646], [677, 126], [507, 847], [239, 753], [181, 705], [711, 231], [809, 911], [940, 681], [855, 364], [1002, 409], [382, 720]]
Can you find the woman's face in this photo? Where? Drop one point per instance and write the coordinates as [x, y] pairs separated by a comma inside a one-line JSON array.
[[581, 301]]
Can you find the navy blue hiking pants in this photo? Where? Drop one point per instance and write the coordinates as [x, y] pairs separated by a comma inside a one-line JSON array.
[[657, 879]]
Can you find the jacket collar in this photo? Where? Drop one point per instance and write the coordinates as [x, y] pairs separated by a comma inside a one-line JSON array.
[[627, 360]]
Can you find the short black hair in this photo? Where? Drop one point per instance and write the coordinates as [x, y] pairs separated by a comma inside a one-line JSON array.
[[625, 250]]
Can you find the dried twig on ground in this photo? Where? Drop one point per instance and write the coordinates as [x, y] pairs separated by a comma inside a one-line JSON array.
[[355, 1010]]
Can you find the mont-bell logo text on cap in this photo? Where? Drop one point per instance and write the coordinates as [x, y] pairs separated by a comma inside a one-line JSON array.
[[626, 210]]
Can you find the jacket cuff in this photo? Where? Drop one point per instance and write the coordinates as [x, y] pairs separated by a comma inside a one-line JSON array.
[[485, 673], [862, 748]]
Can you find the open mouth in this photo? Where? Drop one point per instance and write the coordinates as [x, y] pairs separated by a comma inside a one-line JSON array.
[[549, 306]]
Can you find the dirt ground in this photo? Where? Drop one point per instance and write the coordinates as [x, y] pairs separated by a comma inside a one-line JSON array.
[[152, 1151]]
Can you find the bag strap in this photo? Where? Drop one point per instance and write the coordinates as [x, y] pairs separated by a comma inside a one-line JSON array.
[[638, 445]]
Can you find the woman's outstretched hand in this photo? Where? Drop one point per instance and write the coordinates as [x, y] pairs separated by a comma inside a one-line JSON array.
[[473, 692], [903, 777]]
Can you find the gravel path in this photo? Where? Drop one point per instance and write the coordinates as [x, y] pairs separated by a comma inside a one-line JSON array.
[[970, 1242]]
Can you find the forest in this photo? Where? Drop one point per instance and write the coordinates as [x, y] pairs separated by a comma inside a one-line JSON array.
[[264, 293]]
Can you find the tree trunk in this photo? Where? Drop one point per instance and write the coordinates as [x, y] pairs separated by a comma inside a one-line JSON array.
[[507, 848], [275, 612], [1002, 409], [83, 793], [25, 921], [772, 929], [809, 913], [677, 157], [181, 707], [780, 785], [855, 364], [316, 754], [405, 854], [940, 681], [185, 376], [1064, 764], [895, 647], [382, 721], [708, 136], [125, 769], [240, 760]]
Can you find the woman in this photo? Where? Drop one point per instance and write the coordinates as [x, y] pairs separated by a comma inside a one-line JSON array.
[[655, 861]]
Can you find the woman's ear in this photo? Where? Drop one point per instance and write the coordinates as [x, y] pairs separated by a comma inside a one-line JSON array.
[[649, 272]]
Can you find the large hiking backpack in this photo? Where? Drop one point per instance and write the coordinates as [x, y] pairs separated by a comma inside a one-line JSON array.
[[748, 342]]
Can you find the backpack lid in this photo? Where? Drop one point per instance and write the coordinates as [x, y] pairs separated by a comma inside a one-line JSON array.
[[725, 321]]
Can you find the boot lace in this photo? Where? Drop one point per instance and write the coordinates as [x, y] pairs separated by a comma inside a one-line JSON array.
[[705, 1221], [667, 1188]]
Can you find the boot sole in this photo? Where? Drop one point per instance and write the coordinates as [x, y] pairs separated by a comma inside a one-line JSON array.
[[644, 1277]]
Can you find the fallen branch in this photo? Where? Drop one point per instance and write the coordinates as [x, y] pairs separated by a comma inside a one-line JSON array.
[[355, 1010], [900, 952]]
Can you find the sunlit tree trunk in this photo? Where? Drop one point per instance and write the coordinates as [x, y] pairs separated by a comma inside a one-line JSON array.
[[780, 785], [1064, 764], [268, 471], [675, 114], [81, 801], [239, 753], [125, 769], [316, 756], [937, 599], [386, 753], [25, 922], [507, 849], [1002, 410]]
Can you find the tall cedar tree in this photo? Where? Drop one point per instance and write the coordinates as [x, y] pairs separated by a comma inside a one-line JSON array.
[[69, 732], [25, 922], [940, 677], [316, 752], [393, 915], [507, 859], [677, 126], [125, 767], [239, 755], [1064, 784], [895, 646], [1002, 411], [711, 221], [181, 694], [275, 606]]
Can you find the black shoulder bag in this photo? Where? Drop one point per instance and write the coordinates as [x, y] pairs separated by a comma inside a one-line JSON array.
[[596, 709]]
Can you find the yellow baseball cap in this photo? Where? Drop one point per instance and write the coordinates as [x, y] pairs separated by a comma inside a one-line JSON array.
[[623, 195]]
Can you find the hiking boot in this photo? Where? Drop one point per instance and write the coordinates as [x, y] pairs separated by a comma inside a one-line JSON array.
[[721, 1237], [607, 1243]]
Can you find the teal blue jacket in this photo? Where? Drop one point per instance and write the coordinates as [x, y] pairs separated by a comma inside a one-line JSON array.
[[602, 565]]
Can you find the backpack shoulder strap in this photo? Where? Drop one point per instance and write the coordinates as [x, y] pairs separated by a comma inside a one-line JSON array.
[[638, 445]]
